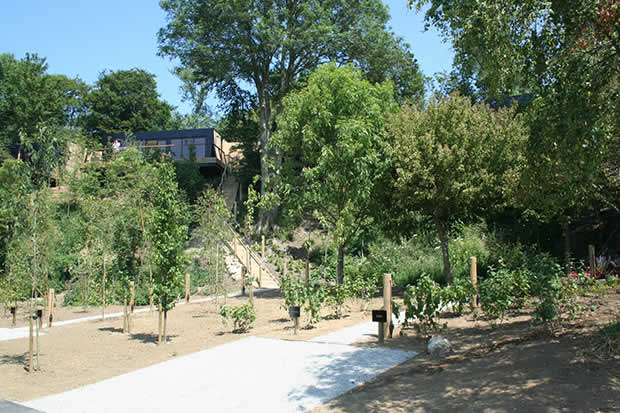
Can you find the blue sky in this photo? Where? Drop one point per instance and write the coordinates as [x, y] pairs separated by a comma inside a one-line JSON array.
[[83, 38]]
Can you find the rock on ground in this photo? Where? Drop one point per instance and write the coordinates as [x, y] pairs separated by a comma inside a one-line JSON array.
[[438, 347]]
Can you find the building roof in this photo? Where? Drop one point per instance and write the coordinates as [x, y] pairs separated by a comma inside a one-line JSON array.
[[167, 134]]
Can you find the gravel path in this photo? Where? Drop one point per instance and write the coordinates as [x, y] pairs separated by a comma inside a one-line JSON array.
[[252, 374]]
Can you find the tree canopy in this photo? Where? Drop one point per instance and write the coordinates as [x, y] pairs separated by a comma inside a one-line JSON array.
[[260, 49], [125, 101], [31, 98], [455, 159], [564, 56], [329, 138]]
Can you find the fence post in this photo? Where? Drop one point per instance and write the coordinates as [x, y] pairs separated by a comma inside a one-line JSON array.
[[387, 303], [187, 287], [50, 306], [474, 278], [243, 271], [262, 256]]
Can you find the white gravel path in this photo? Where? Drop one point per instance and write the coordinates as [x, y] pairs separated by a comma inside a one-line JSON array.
[[253, 374]]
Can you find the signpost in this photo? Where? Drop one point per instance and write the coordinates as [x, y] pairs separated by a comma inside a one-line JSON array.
[[380, 316], [295, 313]]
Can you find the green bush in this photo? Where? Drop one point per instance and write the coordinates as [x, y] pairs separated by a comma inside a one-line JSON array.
[[336, 295], [424, 302], [243, 316], [502, 290], [316, 295]]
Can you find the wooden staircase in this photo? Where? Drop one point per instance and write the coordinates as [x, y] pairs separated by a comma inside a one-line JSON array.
[[253, 262]]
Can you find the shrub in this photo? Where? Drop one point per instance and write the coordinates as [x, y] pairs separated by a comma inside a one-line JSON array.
[[424, 301], [315, 295], [243, 316], [460, 294], [336, 297], [502, 290]]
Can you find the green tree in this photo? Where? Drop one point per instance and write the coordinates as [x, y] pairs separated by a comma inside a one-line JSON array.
[[564, 55], [168, 234], [329, 137], [30, 98], [260, 49], [125, 101], [454, 159], [14, 202]]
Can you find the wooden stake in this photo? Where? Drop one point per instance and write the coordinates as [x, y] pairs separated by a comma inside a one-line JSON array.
[[252, 294], [387, 303], [243, 270], [187, 290], [296, 325], [307, 264], [592, 257], [217, 270], [260, 267], [474, 278], [14, 314], [125, 315], [284, 265], [103, 292], [132, 288], [50, 307], [161, 322], [381, 332], [31, 340]]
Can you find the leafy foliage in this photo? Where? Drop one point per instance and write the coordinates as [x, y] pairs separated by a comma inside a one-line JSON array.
[[243, 316], [454, 158], [263, 49], [31, 98], [329, 137], [424, 302], [125, 101], [168, 235]]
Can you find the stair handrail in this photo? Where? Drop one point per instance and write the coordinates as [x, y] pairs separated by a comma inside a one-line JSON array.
[[258, 259]]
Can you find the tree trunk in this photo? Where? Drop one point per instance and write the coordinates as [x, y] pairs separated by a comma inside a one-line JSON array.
[[567, 249], [165, 338], [340, 265], [443, 239]]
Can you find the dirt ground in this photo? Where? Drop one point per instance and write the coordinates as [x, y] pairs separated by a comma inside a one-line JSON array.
[[78, 354], [512, 367], [515, 366]]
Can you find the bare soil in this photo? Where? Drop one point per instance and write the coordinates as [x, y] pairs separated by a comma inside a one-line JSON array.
[[512, 367], [78, 354]]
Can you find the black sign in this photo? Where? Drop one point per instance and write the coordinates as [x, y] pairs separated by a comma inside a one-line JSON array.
[[12, 309], [294, 311], [39, 313], [379, 316]]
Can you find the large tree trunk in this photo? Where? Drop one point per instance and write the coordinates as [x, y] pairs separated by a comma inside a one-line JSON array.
[[443, 239], [340, 265]]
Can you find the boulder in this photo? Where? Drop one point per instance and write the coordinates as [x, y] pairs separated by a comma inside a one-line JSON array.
[[438, 347]]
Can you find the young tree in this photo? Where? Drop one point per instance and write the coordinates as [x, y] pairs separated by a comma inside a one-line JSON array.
[[329, 137], [259, 50], [168, 235], [125, 101], [454, 158]]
